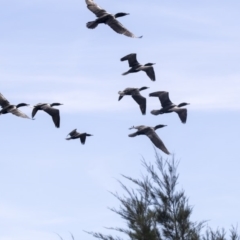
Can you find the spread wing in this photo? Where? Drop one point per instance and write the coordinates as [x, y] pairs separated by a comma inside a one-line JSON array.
[[182, 113], [3, 101], [55, 115], [83, 138], [156, 140], [163, 97], [150, 72], [141, 102], [18, 113], [132, 59], [73, 132], [93, 7]]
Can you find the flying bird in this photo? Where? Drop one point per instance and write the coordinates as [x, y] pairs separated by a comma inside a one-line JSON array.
[[104, 17], [135, 66], [10, 108], [150, 132], [48, 108], [135, 93], [168, 106], [74, 135]]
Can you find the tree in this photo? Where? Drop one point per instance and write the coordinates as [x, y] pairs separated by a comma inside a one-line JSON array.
[[156, 210]]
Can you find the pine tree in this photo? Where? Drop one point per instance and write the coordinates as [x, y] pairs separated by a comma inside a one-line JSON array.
[[157, 210]]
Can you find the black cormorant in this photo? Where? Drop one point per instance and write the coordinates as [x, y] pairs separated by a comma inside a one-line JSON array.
[[150, 132], [48, 108], [74, 135], [104, 17], [135, 93], [168, 106], [10, 108], [136, 66]]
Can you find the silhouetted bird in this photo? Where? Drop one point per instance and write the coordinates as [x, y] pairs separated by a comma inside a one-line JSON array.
[[150, 132], [136, 66], [10, 108], [104, 17], [74, 135], [135, 93], [48, 108], [168, 106]]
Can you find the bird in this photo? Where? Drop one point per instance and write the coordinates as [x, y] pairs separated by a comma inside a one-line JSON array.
[[168, 106], [150, 132], [48, 108], [74, 135], [135, 93], [136, 66], [10, 108], [104, 17]]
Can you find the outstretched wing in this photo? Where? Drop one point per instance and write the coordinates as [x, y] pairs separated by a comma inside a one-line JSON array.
[[3, 101], [119, 28], [156, 140], [18, 113], [73, 132], [150, 72], [163, 97], [182, 113], [132, 59], [142, 102], [93, 7], [55, 115], [83, 138]]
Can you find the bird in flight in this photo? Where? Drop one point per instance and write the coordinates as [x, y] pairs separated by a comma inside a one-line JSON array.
[[135, 93], [10, 108], [135, 66], [150, 132], [48, 108], [74, 135], [168, 106], [104, 17]]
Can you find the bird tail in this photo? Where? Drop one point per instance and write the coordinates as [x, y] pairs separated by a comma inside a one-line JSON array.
[[125, 73], [68, 138], [156, 112], [133, 134], [92, 24]]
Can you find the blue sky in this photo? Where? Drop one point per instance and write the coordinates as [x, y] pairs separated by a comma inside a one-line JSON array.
[[50, 185]]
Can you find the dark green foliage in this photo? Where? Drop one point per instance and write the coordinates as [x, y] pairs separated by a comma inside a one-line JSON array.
[[157, 210]]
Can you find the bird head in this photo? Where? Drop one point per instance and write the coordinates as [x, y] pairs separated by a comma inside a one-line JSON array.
[[183, 104], [120, 14], [56, 104]]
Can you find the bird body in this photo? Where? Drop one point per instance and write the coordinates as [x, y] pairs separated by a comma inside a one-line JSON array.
[[10, 108], [135, 66], [74, 135], [135, 93], [150, 132], [168, 106], [104, 17], [48, 108]]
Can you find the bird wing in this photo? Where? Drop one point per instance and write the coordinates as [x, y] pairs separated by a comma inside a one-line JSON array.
[[118, 27], [54, 113], [141, 102], [132, 59], [182, 113], [18, 113], [93, 7], [163, 97], [83, 138], [156, 140], [73, 132], [3, 101], [34, 111], [150, 72]]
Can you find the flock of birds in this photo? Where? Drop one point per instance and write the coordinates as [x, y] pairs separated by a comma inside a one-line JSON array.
[[166, 105]]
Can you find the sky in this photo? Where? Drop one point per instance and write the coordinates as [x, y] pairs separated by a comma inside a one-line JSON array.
[[50, 185]]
